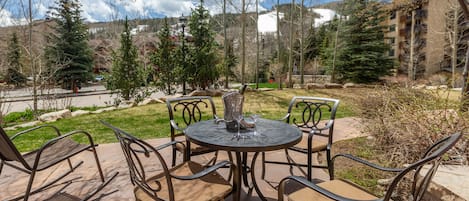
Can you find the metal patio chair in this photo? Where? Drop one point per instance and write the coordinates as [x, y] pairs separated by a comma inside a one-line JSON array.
[[53, 152], [315, 116], [186, 181], [337, 189], [183, 112]]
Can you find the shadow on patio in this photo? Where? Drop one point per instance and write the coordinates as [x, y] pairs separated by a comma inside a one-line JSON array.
[[13, 182]]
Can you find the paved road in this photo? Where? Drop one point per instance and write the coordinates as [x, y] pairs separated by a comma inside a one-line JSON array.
[[21, 99]]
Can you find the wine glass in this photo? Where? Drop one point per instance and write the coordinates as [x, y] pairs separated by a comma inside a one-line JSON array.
[[239, 118], [254, 118]]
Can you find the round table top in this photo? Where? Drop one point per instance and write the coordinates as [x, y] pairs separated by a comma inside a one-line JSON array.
[[272, 135]]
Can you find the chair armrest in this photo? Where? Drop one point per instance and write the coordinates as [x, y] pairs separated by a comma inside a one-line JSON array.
[[174, 125], [364, 162], [36, 128], [318, 131], [284, 117], [203, 172], [76, 132], [308, 184], [172, 143]]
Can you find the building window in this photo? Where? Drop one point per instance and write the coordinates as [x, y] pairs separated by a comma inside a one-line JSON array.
[[392, 28], [392, 41], [393, 15], [391, 52]]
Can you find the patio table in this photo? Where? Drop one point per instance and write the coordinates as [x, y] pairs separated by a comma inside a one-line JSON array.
[[271, 135]]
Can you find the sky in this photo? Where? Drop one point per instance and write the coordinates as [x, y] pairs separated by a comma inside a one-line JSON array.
[[106, 10]]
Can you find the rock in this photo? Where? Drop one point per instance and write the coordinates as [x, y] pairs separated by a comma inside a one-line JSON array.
[[352, 85], [431, 87], [208, 92], [173, 96], [148, 101], [265, 89], [298, 86], [384, 182], [11, 128], [420, 86], [370, 138], [104, 110], [333, 86], [54, 116], [80, 112], [315, 86], [29, 124]]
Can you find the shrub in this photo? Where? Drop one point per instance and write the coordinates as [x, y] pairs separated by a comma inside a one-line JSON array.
[[406, 121]]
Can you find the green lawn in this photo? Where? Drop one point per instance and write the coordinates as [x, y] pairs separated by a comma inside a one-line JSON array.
[[151, 121]]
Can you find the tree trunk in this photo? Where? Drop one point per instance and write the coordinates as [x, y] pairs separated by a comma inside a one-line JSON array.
[[243, 41], [31, 57], [278, 46], [225, 42], [302, 48], [454, 48], [257, 44], [290, 53], [465, 89], [411, 67]]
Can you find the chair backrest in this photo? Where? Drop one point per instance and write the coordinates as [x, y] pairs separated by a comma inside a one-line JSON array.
[[313, 114], [184, 111], [137, 152], [421, 176], [8, 151]]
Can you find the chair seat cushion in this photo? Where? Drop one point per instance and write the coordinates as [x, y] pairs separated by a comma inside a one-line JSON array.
[[338, 187], [55, 153], [319, 143], [210, 187]]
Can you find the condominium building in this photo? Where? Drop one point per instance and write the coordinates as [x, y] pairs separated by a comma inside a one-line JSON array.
[[421, 31]]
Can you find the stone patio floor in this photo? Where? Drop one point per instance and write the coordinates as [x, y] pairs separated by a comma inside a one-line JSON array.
[[85, 178]]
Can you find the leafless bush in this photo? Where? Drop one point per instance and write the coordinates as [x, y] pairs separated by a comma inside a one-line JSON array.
[[407, 121]]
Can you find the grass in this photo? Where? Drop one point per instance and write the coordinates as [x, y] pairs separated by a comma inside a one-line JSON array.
[[364, 176], [152, 121]]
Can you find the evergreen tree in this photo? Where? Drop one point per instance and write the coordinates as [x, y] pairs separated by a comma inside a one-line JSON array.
[[164, 59], [127, 74], [201, 68], [13, 75], [362, 57], [69, 57]]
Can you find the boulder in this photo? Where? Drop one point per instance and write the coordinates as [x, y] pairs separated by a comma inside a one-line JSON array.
[[80, 112], [173, 96], [315, 86], [352, 85], [29, 124], [104, 110], [54, 116], [208, 92], [298, 86], [148, 101], [333, 86]]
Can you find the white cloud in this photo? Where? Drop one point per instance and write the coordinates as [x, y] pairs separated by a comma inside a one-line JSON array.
[[104, 10], [7, 19]]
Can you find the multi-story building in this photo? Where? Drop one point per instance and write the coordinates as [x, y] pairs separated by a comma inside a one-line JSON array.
[[419, 31]]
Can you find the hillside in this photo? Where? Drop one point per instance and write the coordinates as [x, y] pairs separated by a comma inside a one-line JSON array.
[[104, 37]]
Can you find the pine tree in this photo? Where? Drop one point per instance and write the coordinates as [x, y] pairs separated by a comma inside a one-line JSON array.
[[69, 57], [363, 58], [127, 74], [164, 59], [201, 70], [13, 75]]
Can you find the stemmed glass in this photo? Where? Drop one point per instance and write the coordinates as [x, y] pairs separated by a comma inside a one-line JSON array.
[[239, 118], [254, 118]]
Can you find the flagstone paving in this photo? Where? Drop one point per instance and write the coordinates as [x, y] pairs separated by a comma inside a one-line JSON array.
[[85, 178]]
